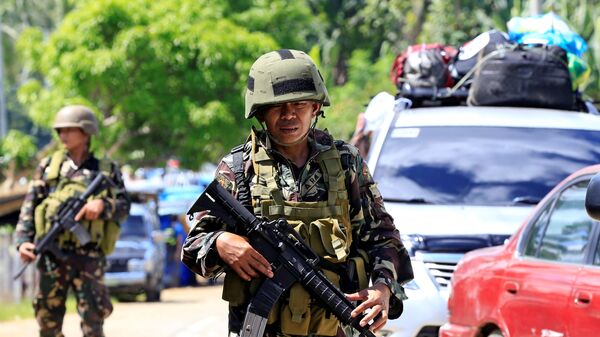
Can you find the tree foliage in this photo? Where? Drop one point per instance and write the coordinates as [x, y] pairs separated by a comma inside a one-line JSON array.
[[166, 78]]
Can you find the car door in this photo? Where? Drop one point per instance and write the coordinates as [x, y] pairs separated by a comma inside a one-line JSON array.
[[539, 281], [584, 307]]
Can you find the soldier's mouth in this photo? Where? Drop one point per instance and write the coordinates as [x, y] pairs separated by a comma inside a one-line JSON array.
[[288, 129]]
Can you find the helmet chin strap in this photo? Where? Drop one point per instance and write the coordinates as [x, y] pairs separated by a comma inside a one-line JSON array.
[[274, 140]]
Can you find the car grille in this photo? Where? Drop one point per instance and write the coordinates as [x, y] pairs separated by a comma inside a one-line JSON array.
[[441, 272], [440, 265], [117, 265]]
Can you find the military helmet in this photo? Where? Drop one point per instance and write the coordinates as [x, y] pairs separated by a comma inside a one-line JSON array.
[[282, 76], [77, 116]]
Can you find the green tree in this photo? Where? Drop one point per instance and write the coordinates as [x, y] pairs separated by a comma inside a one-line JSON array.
[[16, 151], [165, 78]]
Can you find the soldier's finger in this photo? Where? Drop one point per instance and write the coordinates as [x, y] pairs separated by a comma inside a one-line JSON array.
[[358, 296], [380, 322], [249, 270], [261, 259], [80, 214], [241, 273], [362, 307], [266, 270], [371, 314]]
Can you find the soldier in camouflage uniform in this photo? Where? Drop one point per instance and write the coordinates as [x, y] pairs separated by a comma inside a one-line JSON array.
[[322, 187], [80, 267]]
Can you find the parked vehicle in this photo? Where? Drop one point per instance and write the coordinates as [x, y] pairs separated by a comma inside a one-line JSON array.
[[137, 264], [460, 178], [544, 282]]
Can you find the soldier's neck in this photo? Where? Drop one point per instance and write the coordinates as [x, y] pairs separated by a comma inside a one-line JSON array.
[[297, 154], [79, 155]]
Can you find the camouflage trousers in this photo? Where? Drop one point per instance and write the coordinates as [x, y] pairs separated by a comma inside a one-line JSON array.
[[84, 275]]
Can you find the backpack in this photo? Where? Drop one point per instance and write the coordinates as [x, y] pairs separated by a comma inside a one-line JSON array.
[[470, 52], [423, 65], [527, 76]]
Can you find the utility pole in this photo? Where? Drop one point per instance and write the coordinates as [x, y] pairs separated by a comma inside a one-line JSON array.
[[3, 118], [535, 7]]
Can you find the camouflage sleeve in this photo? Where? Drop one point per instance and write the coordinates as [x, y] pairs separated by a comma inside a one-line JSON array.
[[199, 252], [117, 203], [36, 192], [376, 233]]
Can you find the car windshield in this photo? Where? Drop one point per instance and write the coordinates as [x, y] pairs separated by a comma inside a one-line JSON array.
[[477, 165], [134, 226]]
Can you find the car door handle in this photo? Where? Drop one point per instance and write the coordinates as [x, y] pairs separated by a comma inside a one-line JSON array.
[[583, 297], [511, 286]]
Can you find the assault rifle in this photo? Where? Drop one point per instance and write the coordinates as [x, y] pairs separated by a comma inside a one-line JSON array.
[[291, 259], [64, 220]]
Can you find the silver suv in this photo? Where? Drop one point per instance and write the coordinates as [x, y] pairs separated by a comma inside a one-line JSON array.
[[460, 178], [137, 264]]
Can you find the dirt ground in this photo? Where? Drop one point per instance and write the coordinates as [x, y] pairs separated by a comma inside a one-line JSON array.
[[183, 312]]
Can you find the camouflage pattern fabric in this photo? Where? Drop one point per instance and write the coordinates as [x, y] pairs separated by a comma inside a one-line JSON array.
[[116, 206], [373, 228], [86, 279], [83, 271]]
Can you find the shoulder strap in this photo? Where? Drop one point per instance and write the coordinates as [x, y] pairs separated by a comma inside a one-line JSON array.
[[54, 168], [240, 180], [333, 174]]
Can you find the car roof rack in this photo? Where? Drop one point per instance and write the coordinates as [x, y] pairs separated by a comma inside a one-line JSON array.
[[433, 96], [455, 96]]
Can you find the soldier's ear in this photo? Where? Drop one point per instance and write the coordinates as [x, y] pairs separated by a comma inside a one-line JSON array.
[[316, 108]]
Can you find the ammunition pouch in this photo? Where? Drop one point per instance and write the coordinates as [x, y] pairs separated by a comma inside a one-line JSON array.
[[103, 233]]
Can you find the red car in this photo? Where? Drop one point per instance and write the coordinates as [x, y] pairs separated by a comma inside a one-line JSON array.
[[544, 282]]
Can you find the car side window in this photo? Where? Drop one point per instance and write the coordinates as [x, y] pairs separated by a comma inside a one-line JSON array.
[[567, 233], [537, 232]]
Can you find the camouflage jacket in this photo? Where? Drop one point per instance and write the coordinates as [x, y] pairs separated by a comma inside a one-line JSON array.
[[116, 205], [373, 228]]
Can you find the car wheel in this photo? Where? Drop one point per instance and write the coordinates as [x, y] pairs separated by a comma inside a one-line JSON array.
[[496, 333], [153, 295], [125, 297]]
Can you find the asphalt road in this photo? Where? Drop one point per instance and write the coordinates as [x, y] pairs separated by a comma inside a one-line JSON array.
[[183, 312]]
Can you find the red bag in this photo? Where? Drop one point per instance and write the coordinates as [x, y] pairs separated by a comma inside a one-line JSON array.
[[423, 65]]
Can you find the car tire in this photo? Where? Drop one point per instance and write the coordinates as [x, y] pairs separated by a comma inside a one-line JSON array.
[[496, 333], [153, 295]]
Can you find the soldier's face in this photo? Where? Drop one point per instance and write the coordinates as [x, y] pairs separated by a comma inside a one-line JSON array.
[[73, 138], [289, 122]]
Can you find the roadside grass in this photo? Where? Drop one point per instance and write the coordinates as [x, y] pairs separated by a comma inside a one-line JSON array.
[[24, 310]]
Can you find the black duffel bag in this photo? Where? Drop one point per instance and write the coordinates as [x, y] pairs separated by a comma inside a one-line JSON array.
[[527, 76]]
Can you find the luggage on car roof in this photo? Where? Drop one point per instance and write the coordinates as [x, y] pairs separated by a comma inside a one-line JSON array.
[[423, 66], [528, 76], [470, 52]]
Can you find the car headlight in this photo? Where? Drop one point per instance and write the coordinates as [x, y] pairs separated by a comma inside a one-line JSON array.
[[413, 243], [135, 265]]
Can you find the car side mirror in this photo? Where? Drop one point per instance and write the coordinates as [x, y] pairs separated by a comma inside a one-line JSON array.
[[592, 198]]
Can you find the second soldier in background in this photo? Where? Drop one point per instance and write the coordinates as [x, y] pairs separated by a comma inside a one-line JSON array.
[[81, 267]]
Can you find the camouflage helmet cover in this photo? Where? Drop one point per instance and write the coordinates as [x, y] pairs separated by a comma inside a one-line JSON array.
[[77, 116], [281, 76]]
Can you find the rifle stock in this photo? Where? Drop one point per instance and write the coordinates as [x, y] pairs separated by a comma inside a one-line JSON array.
[[64, 220], [291, 259]]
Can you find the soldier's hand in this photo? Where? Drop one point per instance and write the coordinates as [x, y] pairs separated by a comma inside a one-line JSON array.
[[26, 251], [237, 252], [91, 210], [377, 298]]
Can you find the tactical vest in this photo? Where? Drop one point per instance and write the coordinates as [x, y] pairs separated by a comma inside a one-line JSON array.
[[103, 233], [324, 225]]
